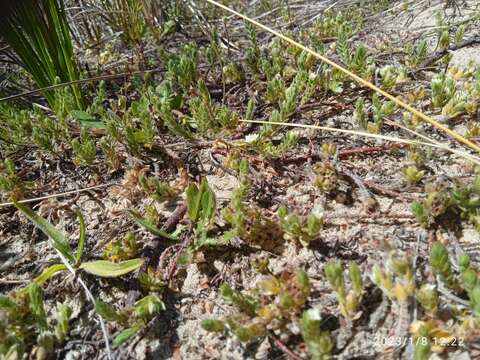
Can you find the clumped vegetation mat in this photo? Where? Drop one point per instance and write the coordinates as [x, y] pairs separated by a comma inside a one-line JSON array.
[[246, 180]]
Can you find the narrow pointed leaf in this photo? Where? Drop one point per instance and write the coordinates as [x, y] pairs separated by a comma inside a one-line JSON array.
[[150, 227], [59, 239]]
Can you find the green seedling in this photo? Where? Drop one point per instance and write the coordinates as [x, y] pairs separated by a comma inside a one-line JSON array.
[[253, 50], [127, 17], [182, 68], [326, 177], [272, 305], [122, 249], [133, 319], [380, 111], [436, 204], [416, 55], [349, 300], [396, 279], [206, 116], [84, 149], [412, 175], [440, 262], [319, 343], [443, 88], [300, 229], [427, 296], [60, 243], [24, 327], [157, 189], [360, 114], [11, 183]]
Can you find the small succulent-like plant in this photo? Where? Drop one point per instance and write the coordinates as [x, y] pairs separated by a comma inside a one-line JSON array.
[[10, 181], [413, 175], [326, 177], [295, 227], [360, 114], [84, 148], [440, 262], [25, 327], [319, 343], [122, 249], [437, 203], [396, 279], [349, 300], [272, 305]]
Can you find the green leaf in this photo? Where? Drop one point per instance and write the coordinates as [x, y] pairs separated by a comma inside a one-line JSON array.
[[6, 303], [59, 239], [201, 203], [36, 304], [81, 239], [208, 203], [106, 311], [149, 306], [48, 273], [105, 268], [151, 227], [212, 325], [125, 335], [193, 202], [87, 119]]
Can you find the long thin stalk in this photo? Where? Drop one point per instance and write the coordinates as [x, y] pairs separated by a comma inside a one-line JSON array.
[[357, 78], [434, 144]]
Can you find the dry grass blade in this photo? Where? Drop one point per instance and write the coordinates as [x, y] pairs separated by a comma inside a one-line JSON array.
[[25, 201], [432, 143], [355, 77]]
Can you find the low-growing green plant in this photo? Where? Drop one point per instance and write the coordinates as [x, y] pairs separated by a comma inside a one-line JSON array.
[[361, 115], [440, 262], [127, 17], [122, 249], [25, 328], [24, 307], [157, 189], [11, 183], [349, 301], [272, 305], [467, 279], [396, 278], [380, 110], [462, 202], [206, 116], [427, 296], [182, 68], [412, 175], [444, 88], [60, 243], [436, 204], [247, 222], [416, 54], [326, 177], [319, 343], [84, 148], [301, 229], [201, 210], [132, 319]]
